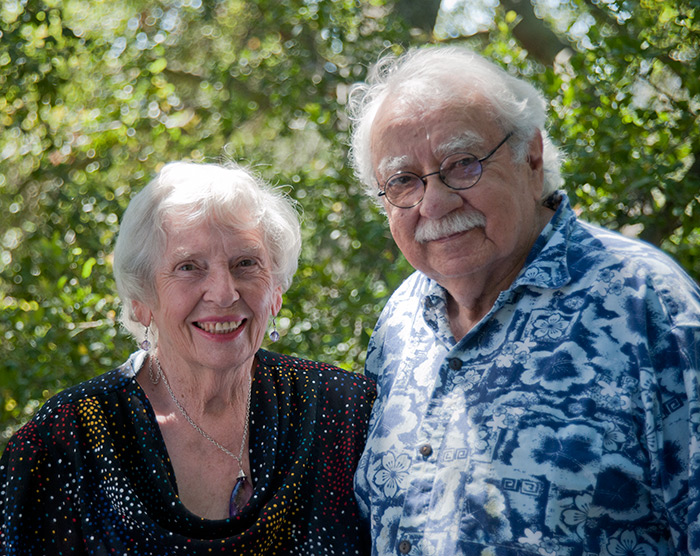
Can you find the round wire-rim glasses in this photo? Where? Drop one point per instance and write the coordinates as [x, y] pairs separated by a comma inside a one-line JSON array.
[[457, 171]]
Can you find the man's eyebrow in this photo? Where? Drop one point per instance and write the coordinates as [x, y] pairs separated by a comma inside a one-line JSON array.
[[391, 164], [465, 142]]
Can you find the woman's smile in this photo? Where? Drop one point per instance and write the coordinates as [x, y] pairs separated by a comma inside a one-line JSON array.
[[219, 327]]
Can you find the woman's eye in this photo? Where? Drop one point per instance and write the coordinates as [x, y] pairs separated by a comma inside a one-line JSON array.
[[186, 267], [246, 262]]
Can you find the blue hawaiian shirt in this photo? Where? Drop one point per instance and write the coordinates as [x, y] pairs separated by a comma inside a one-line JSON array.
[[565, 423]]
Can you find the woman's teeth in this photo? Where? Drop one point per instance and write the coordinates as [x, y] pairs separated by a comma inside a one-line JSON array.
[[219, 327]]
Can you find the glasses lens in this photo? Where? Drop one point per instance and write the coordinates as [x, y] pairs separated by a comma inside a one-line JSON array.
[[461, 170], [404, 189]]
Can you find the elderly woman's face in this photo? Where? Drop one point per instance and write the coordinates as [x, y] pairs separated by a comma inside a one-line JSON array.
[[215, 292]]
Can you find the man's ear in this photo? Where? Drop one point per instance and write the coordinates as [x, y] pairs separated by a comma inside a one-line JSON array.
[[535, 162], [534, 152]]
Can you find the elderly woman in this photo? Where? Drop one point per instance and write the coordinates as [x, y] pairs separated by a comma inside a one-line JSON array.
[[202, 442]]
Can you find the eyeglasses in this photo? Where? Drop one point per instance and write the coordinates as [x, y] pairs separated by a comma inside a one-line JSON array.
[[457, 171]]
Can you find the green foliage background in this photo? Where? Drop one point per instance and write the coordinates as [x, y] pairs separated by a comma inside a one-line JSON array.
[[95, 96]]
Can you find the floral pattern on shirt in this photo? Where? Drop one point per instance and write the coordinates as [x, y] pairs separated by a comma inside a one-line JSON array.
[[565, 423]]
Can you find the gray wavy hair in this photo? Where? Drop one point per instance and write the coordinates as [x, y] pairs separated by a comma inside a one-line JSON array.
[[227, 196], [440, 75]]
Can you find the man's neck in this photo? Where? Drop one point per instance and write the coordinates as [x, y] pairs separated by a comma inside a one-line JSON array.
[[464, 311], [470, 298]]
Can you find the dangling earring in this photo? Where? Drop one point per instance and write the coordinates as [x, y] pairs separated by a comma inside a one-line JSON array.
[[274, 335], [145, 345]]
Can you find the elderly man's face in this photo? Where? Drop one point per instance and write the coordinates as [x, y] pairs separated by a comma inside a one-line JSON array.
[[215, 295], [504, 204]]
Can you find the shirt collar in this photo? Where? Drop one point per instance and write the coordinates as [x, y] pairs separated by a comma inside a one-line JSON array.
[[435, 313], [132, 366], [546, 265]]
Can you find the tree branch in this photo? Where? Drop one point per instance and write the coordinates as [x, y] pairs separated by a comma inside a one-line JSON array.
[[421, 14], [533, 33]]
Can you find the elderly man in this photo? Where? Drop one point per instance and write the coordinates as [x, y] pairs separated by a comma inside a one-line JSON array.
[[537, 375]]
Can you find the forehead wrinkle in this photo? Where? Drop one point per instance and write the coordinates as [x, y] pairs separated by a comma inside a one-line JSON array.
[[243, 246], [182, 253]]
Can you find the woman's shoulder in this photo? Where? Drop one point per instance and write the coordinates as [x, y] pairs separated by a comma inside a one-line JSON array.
[[116, 381], [323, 374], [59, 417]]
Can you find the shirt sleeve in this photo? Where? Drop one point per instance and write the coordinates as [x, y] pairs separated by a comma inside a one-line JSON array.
[[671, 394]]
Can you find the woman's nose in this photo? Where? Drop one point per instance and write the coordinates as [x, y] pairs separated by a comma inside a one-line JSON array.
[[222, 288]]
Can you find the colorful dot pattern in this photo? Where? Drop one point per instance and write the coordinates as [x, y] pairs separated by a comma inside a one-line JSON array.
[[90, 474]]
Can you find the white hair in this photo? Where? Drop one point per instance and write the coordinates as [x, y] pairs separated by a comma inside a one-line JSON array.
[[448, 76], [186, 193]]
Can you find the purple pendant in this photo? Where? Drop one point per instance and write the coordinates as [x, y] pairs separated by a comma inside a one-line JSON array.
[[241, 493]]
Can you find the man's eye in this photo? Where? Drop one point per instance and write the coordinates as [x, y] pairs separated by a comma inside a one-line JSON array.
[[401, 181], [465, 161], [464, 164]]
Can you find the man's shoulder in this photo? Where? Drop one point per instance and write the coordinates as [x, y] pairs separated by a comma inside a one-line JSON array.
[[597, 237], [594, 246], [632, 273], [598, 247]]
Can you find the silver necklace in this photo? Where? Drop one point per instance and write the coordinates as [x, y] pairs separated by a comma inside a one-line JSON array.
[[195, 426]]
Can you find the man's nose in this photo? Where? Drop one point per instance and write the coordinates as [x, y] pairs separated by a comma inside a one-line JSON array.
[[439, 199]]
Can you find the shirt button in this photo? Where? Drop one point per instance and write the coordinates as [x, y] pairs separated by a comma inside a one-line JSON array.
[[425, 450], [404, 547], [455, 364]]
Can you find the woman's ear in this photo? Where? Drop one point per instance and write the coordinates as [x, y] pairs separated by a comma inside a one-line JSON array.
[[276, 301], [142, 312]]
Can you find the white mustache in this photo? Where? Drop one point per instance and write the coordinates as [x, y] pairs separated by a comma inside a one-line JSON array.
[[453, 223]]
